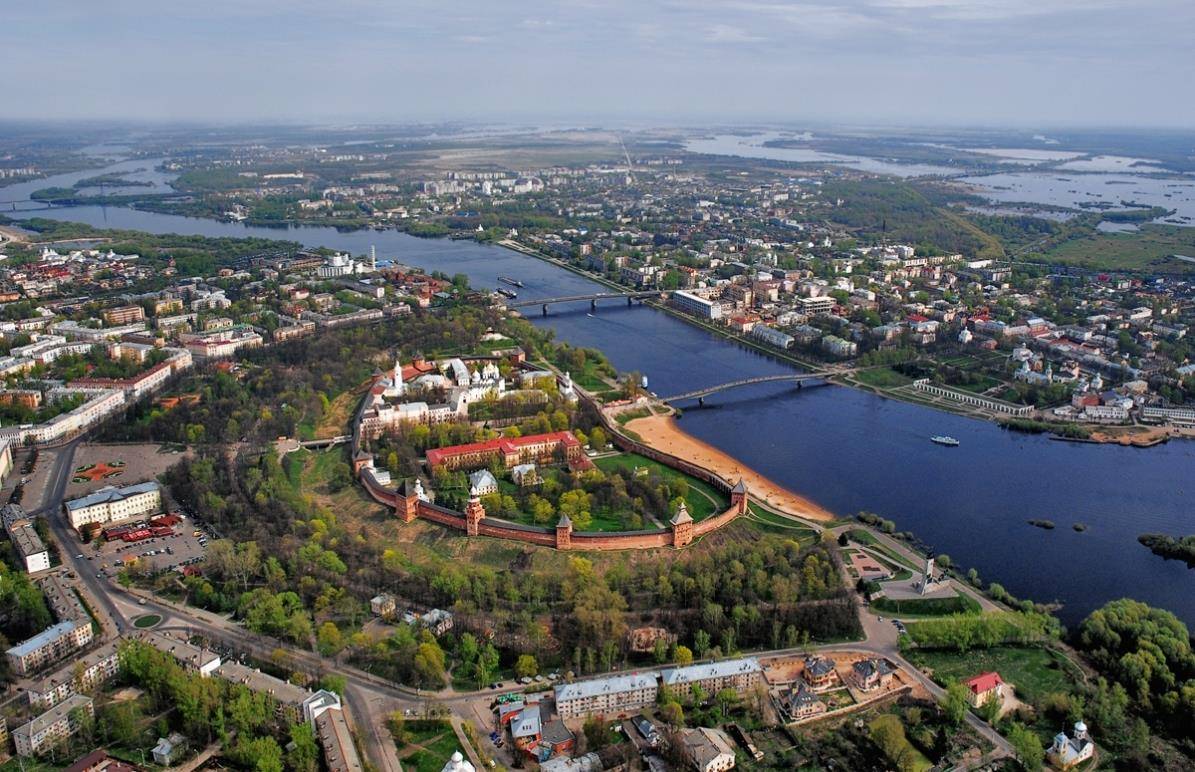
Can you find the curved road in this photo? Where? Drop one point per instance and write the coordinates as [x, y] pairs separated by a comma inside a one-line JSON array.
[[369, 698]]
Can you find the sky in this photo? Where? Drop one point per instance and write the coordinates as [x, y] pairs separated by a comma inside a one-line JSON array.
[[1100, 63]]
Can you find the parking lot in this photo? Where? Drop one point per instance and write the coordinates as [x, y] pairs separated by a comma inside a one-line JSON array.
[[161, 553]]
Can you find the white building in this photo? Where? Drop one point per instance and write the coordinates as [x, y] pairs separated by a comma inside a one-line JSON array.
[[80, 675], [707, 750], [738, 674], [51, 727], [616, 695], [50, 645], [692, 303], [30, 548], [772, 336], [110, 504], [1067, 752]]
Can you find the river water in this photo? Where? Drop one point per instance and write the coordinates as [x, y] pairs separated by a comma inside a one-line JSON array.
[[845, 449]]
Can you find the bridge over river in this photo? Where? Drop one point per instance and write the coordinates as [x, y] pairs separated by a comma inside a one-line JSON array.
[[701, 394], [592, 297]]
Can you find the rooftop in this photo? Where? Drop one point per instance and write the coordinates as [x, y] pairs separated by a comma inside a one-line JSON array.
[[30, 645], [107, 495], [724, 669], [599, 686]]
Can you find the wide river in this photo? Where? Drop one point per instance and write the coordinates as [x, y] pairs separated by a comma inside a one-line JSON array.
[[847, 450]]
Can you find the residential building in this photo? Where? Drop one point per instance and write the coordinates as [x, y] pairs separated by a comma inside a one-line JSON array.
[[340, 755], [707, 750], [81, 675], [48, 646], [772, 336], [111, 504], [819, 672], [383, 605], [740, 675], [801, 702], [692, 303], [615, 695], [191, 657], [30, 548], [984, 687], [168, 749], [870, 674], [114, 317], [484, 482], [52, 727]]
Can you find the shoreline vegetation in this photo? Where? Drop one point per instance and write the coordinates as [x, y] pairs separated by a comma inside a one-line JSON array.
[[1170, 547], [663, 433]]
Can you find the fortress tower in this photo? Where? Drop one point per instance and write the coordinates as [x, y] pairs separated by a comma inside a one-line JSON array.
[[564, 533], [474, 512], [682, 527]]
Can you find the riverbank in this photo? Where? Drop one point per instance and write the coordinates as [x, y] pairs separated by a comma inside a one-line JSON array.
[[662, 433], [12, 235]]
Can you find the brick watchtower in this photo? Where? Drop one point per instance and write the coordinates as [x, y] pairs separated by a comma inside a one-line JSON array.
[[474, 512], [682, 527], [406, 502], [738, 497], [564, 533]]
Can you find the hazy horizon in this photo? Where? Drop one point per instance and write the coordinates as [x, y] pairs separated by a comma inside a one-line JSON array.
[[958, 63]]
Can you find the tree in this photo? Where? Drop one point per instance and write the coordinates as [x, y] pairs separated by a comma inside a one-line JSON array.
[[673, 714], [487, 665], [261, 754], [725, 699], [576, 505], [957, 703], [1027, 745], [526, 666], [889, 736], [683, 656], [701, 643], [597, 732], [304, 753], [396, 722]]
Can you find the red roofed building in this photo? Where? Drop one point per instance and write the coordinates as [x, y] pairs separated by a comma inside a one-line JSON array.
[[984, 687], [510, 451]]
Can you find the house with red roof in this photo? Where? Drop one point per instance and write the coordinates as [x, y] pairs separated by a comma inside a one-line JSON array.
[[984, 687]]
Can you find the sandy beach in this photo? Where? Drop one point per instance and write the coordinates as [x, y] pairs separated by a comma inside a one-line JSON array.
[[661, 432], [12, 235]]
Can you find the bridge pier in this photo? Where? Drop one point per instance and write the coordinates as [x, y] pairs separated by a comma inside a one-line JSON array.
[[628, 301], [701, 401], [544, 309], [593, 304]]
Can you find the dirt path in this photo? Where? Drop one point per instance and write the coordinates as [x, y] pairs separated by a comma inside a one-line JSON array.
[[662, 433]]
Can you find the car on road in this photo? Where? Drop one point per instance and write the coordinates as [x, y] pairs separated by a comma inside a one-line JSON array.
[[141, 602], [79, 556]]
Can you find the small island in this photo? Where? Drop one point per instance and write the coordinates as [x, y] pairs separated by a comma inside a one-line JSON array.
[[1169, 547], [1046, 524]]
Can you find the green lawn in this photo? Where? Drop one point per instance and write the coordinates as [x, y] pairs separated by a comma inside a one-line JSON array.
[[882, 378], [927, 607], [703, 500], [438, 741], [774, 523], [1035, 671]]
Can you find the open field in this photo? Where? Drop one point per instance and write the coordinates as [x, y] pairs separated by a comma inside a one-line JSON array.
[[1034, 671], [703, 500], [1149, 249]]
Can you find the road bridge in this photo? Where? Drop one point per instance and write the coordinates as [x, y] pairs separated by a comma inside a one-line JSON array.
[[593, 298], [701, 394]]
